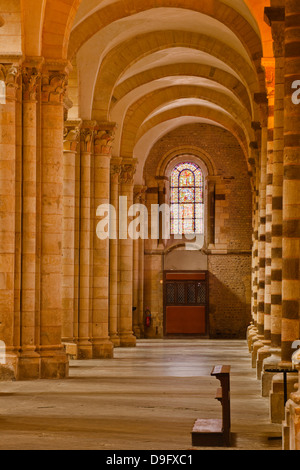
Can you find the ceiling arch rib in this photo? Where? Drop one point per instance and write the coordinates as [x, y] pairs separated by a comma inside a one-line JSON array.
[[214, 115], [138, 115], [122, 57], [119, 110], [198, 73], [224, 13], [142, 109], [93, 52], [59, 17]]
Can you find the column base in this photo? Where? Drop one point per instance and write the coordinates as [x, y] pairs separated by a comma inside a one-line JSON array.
[[292, 423], [262, 354], [277, 405], [103, 349], [250, 337], [9, 367], [271, 362], [258, 344], [84, 350], [29, 366], [115, 339], [127, 340], [71, 350], [137, 332], [54, 365]]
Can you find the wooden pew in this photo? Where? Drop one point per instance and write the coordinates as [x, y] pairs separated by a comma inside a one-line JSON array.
[[216, 432]]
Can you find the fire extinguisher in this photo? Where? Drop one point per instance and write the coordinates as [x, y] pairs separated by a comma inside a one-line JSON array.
[[148, 318]]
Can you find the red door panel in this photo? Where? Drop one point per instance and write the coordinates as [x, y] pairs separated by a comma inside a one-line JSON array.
[[185, 320], [186, 303]]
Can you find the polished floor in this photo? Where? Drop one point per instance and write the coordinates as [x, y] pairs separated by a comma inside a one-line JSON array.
[[145, 399]]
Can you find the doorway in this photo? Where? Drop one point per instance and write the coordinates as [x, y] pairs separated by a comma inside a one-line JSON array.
[[186, 303]]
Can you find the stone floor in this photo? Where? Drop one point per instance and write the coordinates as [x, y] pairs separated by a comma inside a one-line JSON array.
[[145, 399]]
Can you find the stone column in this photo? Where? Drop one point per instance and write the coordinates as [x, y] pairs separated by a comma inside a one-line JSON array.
[[252, 329], [291, 186], [277, 200], [141, 306], [264, 352], [138, 287], [70, 237], [141, 274], [262, 232], [103, 140], [127, 339], [270, 78], [29, 361], [115, 171], [275, 18], [86, 234], [9, 323], [255, 255], [291, 210], [256, 344], [54, 363]]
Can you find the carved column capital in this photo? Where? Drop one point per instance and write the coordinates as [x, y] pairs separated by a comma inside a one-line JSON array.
[[139, 194], [104, 138], [31, 77], [10, 77], [87, 136], [128, 170], [54, 87], [72, 135], [86, 140], [55, 82]]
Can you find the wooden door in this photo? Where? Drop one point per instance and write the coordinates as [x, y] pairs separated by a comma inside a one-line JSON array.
[[186, 303]]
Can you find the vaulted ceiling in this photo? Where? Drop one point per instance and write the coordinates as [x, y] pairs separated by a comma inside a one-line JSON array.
[[151, 65]]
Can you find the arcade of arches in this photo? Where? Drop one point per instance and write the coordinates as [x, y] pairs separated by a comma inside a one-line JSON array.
[[100, 100]]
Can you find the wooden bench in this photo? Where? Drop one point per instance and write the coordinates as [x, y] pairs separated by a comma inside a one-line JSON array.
[[216, 432]]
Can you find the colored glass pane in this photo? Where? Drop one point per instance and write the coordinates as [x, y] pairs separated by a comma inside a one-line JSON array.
[[186, 195], [187, 203], [186, 179]]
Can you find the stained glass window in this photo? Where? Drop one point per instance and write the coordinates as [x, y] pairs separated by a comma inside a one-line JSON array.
[[187, 200]]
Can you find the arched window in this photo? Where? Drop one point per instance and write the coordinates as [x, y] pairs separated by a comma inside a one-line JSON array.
[[187, 200]]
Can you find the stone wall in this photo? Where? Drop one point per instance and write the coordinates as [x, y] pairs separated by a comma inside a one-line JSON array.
[[229, 258]]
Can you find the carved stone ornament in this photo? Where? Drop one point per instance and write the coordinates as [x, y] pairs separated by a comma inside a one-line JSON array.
[[54, 87], [86, 140], [9, 74], [30, 81], [71, 136], [103, 141], [128, 171]]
